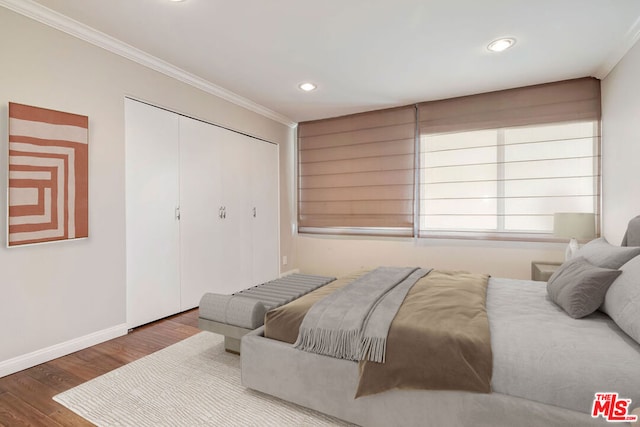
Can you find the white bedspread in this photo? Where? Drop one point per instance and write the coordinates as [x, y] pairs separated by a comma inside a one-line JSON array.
[[542, 354]]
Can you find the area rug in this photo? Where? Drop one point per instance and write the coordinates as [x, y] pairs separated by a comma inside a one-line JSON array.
[[191, 383]]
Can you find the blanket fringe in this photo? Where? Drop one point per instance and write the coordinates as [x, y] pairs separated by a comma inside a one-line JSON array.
[[373, 349], [343, 344]]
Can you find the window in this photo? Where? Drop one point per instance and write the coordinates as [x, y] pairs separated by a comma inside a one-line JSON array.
[[500, 164], [493, 165], [356, 174], [508, 182]]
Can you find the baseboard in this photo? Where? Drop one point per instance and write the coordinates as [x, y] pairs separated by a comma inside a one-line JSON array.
[[37, 357]]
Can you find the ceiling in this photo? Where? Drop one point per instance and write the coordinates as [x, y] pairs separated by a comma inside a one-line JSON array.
[[366, 54]]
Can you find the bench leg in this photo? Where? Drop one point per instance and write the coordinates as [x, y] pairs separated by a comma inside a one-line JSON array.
[[232, 345]]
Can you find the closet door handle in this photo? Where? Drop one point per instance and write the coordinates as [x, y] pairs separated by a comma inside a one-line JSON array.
[[178, 213], [220, 212], [224, 212], [254, 212]]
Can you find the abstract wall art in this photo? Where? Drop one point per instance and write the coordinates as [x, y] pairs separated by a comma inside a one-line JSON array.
[[48, 194]]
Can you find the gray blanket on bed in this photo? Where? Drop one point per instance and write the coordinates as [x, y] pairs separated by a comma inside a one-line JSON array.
[[353, 322]]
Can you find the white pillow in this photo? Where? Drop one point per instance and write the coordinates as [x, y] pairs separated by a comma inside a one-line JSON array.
[[622, 301]]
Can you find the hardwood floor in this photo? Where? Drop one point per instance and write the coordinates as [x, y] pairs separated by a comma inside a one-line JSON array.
[[26, 396]]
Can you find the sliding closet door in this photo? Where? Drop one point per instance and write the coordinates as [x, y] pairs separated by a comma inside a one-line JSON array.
[[265, 219], [214, 226], [152, 228], [236, 175], [201, 209], [223, 238]]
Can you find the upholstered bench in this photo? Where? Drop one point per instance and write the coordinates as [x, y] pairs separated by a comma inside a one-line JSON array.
[[235, 315]]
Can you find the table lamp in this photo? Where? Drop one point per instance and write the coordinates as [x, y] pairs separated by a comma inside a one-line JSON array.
[[574, 226]]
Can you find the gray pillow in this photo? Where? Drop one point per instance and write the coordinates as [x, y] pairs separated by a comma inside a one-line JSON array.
[[579, 287], [632, 235], [622, 301], [601, 253]]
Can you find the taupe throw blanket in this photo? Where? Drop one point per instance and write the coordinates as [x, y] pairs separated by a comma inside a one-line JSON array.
[[439, 339], [353, 322]]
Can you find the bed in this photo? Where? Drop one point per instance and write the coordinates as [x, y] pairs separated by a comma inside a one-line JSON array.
[[546, 366]]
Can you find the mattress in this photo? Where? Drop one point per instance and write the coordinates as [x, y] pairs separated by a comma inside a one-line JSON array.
[[328, 385], [543, 355]]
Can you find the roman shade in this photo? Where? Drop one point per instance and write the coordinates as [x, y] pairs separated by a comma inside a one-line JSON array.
[[500, 164], [356, 173], [492, 165], [564, 101]]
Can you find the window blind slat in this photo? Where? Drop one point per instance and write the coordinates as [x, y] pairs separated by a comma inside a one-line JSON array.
[[402, 161], [359, 222], [557, 144], [361, 207], [581, 186], [382, 192], [354, 152], [525, 169], [365, 179], [549, 205], [356, 138]]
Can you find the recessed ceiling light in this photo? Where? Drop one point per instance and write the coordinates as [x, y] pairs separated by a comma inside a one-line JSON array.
[[501, 44], [307, 87], [176, 1]]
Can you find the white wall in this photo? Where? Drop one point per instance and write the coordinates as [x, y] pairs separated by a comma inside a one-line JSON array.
[[340, 255], [59, 295], [621, 145]]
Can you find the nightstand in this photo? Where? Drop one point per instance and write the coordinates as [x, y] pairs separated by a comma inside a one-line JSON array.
[[542, 270]]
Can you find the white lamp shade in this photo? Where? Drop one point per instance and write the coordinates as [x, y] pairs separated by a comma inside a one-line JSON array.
[[574, 225]]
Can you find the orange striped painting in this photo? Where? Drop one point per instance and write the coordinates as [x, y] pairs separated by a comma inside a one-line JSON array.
[[48, 175]]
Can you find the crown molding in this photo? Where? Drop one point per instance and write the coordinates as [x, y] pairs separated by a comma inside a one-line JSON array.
[[77, 29], [630, 39]]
